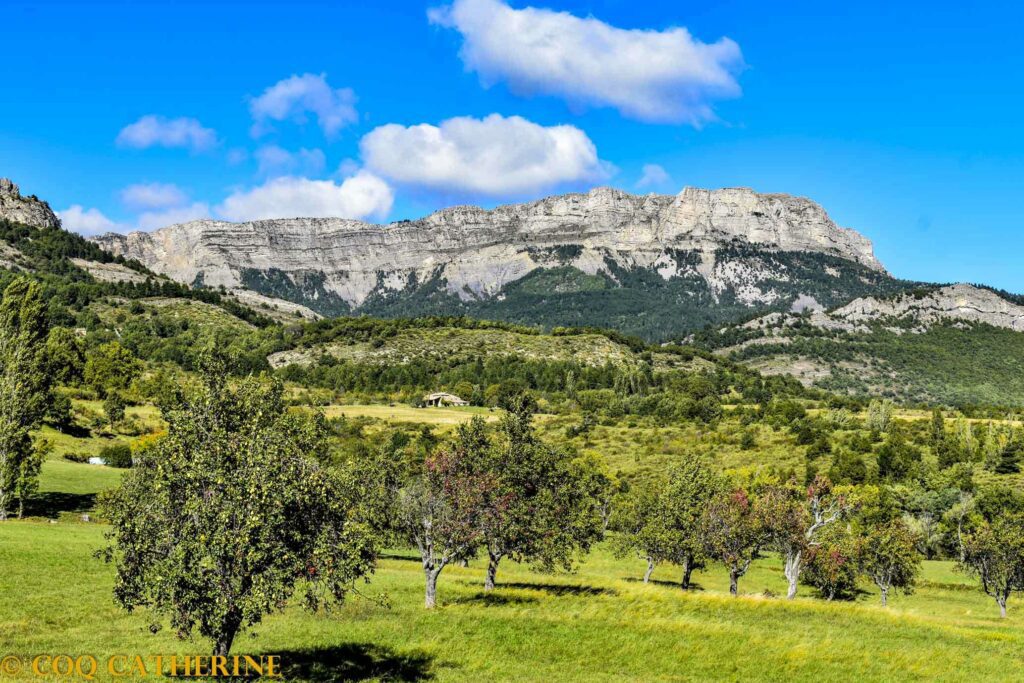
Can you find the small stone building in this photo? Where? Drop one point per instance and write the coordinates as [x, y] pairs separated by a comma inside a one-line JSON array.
[[440, 398]]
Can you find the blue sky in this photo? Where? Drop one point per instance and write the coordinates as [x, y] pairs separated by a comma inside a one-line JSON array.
[[902, 119]]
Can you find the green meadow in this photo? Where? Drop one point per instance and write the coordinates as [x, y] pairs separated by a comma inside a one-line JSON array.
[[599, 623]]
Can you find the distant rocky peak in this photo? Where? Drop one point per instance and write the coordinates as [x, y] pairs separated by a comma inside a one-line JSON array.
[[27, 210]]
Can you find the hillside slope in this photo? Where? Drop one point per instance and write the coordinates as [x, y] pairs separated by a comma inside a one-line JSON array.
[[954, 344]]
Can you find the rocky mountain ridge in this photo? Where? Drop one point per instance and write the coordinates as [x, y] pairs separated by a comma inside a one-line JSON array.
[[473, 254], [912, 311], [27, 210], [951, 344]]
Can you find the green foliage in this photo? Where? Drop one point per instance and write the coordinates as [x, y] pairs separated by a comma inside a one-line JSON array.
[[1009, 455], [114, 406], [733, 531], [993, 550], [48, 253], [664, 521], [848, 468], [65, 356], [794, 520], [898, 459], [221, 520], [637, 301], [879, 415], [887, 554], [541, 508], [117, 455], [960, 364], [25, 391], [832, 566], [442, 503], [110, 368]]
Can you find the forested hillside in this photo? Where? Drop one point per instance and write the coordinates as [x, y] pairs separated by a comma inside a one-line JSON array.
[[642, 302], [952, 345]]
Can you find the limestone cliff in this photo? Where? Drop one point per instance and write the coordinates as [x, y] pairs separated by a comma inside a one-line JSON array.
[[27, 210], [954, 344], [477, 252], [912, 311]]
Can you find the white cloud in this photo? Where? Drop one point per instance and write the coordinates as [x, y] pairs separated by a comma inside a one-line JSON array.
[[658, 76], [158, 131], [491, 156], [654, 176], [292, 98], [274, 160], [86, 221], [153, 220], [362, 195], [153, 196]]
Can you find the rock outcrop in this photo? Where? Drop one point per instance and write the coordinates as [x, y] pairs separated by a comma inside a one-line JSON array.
[[27, 210], [913, 311], [955, 302], [477, 252]]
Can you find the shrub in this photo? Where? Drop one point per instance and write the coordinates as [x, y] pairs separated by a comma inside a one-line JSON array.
[[117, 455]]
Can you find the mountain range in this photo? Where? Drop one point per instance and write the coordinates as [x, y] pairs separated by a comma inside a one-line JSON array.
[[767, 280], [653, 265]]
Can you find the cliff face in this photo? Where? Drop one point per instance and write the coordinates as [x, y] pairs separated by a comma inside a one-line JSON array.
[[929, 344], [956, 302], [911, 312], [477, 252], [27, 210]]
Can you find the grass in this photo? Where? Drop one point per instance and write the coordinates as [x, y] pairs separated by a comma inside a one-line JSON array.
[[403, 413], [69, 489], [639, 447], [598, 624]]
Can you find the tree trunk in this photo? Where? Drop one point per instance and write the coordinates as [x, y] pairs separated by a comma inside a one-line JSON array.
[[431, 590], [650, 570], [21, 507], [792, 571], [223, 646], [734, 582], [885, 595], [492, 569], [1002, 605], [229, 629], [687, 571]]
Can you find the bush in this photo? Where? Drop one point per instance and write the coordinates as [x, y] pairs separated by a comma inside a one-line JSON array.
[[117, 455], [832, 569], [114, 407]]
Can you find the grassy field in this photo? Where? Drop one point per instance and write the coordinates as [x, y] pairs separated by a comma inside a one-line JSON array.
[[598, 624], [443, 417]]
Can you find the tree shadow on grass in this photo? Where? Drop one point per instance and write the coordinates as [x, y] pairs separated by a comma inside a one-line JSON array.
[[694, 586], [404, 558], [52, 503], [560, 589], [76, 431], [355, 662], [495, 599]]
